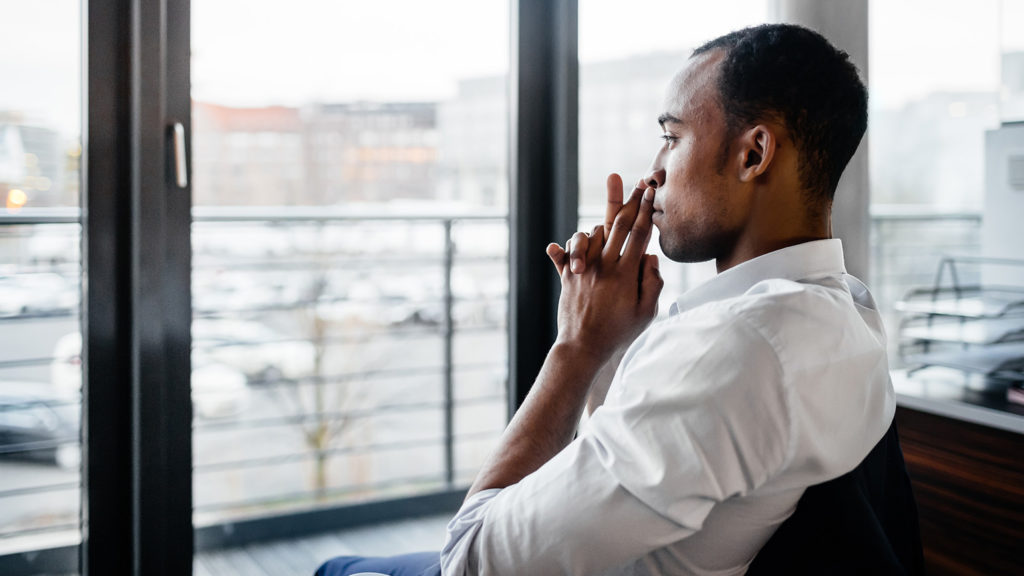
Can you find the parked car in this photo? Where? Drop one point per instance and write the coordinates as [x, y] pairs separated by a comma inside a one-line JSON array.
[[39, 423], [36, 293], [218, 390]]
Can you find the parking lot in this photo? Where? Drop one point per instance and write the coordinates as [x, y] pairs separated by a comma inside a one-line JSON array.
[[254, 448]]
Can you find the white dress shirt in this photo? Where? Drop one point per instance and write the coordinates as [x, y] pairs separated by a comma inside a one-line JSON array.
[[768, 378]]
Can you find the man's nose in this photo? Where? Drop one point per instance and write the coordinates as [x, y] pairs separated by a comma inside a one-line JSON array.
[[655, 176]]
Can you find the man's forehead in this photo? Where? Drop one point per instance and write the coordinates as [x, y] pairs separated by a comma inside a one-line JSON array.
[[694, 87]]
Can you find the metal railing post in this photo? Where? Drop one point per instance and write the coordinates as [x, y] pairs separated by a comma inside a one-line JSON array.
[[449, 452]]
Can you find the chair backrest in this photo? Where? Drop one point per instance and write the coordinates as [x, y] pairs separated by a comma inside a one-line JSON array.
[[864, 522]]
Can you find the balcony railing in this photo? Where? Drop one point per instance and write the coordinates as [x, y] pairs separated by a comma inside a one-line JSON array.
[[443, 324]]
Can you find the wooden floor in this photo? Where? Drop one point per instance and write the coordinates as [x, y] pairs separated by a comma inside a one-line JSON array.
[[302, 556]]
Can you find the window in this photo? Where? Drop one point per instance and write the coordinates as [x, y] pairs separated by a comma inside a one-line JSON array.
[[945, 84], [350, 279]]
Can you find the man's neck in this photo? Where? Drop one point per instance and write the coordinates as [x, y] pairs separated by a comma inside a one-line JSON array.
[[743, 253]]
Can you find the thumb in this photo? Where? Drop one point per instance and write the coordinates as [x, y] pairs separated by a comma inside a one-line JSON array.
[[557, 256], [651, 284]]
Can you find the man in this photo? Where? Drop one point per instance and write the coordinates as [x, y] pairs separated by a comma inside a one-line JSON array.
[[769, 378]]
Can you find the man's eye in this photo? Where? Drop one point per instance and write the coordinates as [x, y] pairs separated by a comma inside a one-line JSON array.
[[669, 138]]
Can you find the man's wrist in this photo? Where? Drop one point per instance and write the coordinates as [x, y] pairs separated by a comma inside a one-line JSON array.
[[585, 358]]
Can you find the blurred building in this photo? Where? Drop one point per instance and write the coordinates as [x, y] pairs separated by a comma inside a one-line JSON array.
[[36, 160], [620, 101], [319, 154], [371, 152], [247, 156], [473, 132], [951, 173]]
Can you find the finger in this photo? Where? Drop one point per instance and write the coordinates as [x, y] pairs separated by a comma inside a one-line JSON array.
[[614, 187], [596, 242], [557, 256], [621, 226], [578, 252], [640, 234], [651, 284]]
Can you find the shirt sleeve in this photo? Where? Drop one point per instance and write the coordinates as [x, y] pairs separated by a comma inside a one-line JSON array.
[[697, 414]]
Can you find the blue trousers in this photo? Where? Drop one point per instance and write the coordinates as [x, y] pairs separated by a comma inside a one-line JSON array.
[[416, 564]]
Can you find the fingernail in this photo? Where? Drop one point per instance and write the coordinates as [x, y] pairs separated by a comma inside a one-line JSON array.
[[649, 194], [576, 265]]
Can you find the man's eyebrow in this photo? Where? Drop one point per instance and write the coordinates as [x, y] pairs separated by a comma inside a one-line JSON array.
[[668, 118]]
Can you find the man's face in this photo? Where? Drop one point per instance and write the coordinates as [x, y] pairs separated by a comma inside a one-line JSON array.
[[699, 207]]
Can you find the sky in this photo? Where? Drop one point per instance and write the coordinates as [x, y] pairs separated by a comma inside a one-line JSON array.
[[260, 52]]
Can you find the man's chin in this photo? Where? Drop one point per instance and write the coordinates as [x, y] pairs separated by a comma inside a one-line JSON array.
[[685, 253]]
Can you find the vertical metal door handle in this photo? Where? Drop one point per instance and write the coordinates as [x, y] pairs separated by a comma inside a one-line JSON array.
[[180, 169]]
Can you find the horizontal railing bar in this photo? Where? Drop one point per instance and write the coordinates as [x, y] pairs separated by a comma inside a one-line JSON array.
[[327, 214], [29, 490], [352, 336], [334, 493], [341, 378], [345, 377], [268, 461], [25, 362], [23, 447], [230, 262], [341, 338], [288, 214], [286, 383], [334, 416], [305, 305], [52, 402], [72, 215], [888, 212], [207, 313], [39, 530], [42, 315], [33, 216]]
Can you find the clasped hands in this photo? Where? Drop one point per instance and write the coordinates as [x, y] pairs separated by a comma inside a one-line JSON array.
[[610, 286]]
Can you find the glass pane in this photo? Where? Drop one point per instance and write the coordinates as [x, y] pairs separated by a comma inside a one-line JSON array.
[[350, 250], [936, 75], [623, 78], [40, 267]]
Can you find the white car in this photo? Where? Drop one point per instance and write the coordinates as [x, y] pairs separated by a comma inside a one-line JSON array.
[[255, 349], [37, 423], [36, 293], [218, 390]]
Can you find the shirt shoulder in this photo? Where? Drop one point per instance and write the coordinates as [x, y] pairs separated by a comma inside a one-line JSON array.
[[698, 408], [689, 355]]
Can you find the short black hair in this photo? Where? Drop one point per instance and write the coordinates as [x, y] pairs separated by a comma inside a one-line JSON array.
[[789, 73]]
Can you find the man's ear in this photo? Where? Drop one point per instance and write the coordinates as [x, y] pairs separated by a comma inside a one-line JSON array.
[[757, 149]]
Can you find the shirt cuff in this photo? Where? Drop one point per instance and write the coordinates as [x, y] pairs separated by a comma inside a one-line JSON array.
[[462, 530]]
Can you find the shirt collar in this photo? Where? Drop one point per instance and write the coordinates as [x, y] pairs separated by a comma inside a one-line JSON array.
[[806, 260]]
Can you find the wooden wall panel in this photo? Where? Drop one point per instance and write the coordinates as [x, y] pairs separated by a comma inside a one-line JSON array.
[[969, 484]]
